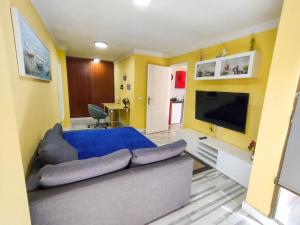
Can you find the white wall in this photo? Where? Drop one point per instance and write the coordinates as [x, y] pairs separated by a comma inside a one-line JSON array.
[[177, 92]]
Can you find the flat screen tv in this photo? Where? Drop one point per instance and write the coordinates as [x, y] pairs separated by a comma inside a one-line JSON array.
[[224, 109]]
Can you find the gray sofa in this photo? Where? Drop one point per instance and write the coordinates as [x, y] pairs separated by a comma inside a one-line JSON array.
[[133, 196]]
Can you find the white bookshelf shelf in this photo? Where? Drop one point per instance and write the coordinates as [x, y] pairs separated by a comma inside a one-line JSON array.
[[244, 65], [230, 160]]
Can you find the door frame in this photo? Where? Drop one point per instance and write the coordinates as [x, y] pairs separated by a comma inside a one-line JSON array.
[[186, 81]]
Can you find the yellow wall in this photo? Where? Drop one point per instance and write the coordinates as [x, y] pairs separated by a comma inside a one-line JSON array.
[[256, 87], [35, 102], [121, 68], [66, 123], [136, 69], [280, 93], [13, 199]]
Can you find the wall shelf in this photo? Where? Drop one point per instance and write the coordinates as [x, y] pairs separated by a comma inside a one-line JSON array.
[[244, 65]]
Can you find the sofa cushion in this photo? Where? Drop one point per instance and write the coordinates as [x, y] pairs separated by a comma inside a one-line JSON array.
[[58, 129], [54, 149], [69, 172], [150, 155]]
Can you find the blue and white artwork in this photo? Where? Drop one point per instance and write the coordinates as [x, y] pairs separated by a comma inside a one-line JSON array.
[[33, 57]]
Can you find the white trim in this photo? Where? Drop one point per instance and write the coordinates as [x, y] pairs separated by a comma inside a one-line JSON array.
[[208, 42], [231, 36], [81, 118], [122, 57], [258, 215], [141, 52], [141, 130], [67, 128], [149, 52], [211, 41]]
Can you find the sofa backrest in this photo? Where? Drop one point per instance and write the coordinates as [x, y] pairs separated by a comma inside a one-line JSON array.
[[133, 196]]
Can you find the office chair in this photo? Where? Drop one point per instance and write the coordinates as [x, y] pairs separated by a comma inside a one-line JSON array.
[[97, 113]]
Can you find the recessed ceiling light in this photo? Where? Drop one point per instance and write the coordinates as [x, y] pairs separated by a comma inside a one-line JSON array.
[[100, 44], [96, 60], [142, 2]]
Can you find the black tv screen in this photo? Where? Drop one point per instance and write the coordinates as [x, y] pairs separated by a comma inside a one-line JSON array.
[[224, 109]]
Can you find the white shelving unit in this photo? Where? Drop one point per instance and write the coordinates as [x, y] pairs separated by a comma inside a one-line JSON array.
[[244, 65], [228, 159]]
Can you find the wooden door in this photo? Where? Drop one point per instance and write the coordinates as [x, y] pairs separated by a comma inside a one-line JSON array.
[[89, 83]]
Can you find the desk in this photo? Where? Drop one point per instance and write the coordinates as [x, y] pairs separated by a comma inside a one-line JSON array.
[[111, 107]]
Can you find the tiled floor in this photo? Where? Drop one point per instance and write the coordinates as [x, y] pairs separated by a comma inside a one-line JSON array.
[[164, 137], [215, 199]]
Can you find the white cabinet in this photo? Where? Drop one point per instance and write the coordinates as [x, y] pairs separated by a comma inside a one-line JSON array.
[[244, 65], [228, 159], [176, 112]]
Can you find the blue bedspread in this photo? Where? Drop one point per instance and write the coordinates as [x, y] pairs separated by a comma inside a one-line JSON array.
[[99, 142]]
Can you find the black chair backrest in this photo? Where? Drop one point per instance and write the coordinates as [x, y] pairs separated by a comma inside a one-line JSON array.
[[96, 112]]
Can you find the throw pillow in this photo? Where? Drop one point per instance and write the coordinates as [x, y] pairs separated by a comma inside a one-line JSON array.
[[150, 155], [58, 129], [54, 149], [69, 172]]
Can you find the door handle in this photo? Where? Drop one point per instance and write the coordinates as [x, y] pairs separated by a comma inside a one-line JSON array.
[[149, 100]]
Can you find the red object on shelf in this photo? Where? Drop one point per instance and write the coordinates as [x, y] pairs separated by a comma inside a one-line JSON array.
[[180, 79]]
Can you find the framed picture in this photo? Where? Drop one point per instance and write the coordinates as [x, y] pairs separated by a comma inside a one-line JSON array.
[[33, 56]]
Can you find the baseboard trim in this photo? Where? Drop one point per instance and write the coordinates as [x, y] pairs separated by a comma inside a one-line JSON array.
[[142, 130], [67, 128], [258, 215], [81, 118]]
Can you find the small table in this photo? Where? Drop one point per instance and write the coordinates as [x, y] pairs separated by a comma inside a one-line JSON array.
[[111, 107]]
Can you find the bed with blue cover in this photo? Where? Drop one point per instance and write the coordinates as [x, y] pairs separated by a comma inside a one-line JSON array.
[[100, 142]]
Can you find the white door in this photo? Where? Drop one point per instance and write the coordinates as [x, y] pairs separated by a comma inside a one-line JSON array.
[[158, 98]]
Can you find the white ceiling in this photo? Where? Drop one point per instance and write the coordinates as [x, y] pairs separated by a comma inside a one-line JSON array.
[[165, 27]]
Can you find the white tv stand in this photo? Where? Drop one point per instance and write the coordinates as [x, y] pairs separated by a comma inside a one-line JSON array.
[[228, 159]]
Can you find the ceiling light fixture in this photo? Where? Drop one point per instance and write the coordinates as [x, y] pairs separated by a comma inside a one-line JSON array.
[[96, 60], [142, 2], [100, 44]]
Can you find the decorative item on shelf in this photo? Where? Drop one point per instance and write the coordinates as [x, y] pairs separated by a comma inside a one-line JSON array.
[[226, 70], [245, 69], [128, 87], [252, 44], [121, 86], [124, 77], [236, 70], [126, 103], [201, 56], [251, 147], [206, 73], [224, 52]]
